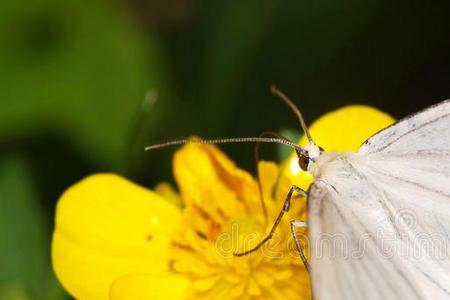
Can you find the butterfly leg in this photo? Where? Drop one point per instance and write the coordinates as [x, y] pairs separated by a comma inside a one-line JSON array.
[[285, 209], [294, 225]]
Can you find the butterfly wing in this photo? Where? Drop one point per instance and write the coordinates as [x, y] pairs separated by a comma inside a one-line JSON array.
[[424, 133], [347, 261], [391, 205]]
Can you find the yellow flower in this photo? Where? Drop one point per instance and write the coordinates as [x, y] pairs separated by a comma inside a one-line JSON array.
[[116, 240]]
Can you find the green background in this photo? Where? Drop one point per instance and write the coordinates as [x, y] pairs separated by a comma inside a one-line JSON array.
[[84, 86]]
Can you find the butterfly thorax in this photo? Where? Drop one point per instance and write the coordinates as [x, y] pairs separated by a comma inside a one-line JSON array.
[[327, 162]]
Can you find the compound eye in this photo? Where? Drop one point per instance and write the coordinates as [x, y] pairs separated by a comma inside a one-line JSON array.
[[303, 162]]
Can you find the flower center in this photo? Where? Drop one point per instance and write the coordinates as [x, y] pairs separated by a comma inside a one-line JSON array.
[[204, 250], [240, 235]]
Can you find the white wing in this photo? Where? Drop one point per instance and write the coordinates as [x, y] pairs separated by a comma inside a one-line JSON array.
[[390, 204], [426, 132]]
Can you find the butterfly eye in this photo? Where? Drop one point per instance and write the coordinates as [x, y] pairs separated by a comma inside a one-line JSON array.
[[303, 162]]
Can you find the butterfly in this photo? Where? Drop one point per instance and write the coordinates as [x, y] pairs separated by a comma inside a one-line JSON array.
[[378, 218], [390, 203]]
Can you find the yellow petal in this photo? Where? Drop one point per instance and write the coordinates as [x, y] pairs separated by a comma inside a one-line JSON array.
[[347, 128], [106, 227], [206, 176], [165, 190], [268, 174], [147, 286]]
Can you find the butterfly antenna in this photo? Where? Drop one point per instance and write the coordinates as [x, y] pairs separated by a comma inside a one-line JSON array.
[[227, 141], [295, 109]]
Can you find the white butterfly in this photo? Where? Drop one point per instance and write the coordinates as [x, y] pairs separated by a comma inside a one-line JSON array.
[[390, 204], [379, 219]]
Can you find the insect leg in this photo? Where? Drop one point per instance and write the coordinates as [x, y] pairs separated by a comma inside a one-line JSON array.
[[286, 207], [294, 225]]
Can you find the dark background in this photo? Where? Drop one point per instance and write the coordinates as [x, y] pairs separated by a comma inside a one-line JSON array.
[[84, 86]]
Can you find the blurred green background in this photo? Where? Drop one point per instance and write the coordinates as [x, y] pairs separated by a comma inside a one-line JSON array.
[[84, 86]]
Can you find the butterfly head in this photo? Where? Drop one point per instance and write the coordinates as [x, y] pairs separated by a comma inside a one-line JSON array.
[[308, 155]]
